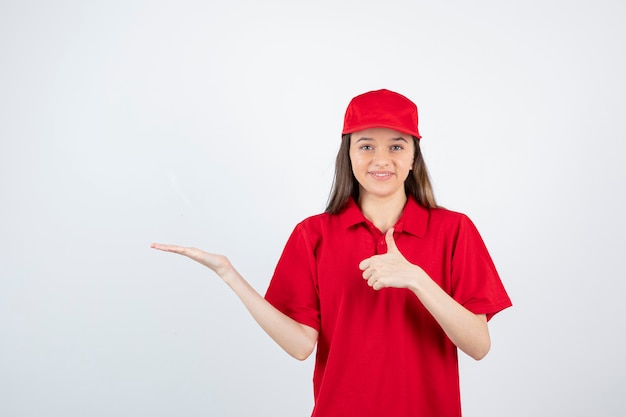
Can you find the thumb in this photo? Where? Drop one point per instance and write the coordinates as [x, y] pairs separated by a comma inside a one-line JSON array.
[[391, 243]]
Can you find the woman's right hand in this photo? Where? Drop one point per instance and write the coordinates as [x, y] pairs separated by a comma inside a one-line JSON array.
[[297, 339], [218, 263]]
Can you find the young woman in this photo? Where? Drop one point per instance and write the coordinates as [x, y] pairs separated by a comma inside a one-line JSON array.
[[386, 284]]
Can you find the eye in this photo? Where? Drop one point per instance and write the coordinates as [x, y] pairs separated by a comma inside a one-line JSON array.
[[366, 148], [397, 147]]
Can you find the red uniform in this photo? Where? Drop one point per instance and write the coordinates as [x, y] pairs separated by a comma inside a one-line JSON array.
[[381, 353]]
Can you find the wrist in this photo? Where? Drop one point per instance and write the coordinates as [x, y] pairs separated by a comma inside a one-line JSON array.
[[230, 275], [416, 283]]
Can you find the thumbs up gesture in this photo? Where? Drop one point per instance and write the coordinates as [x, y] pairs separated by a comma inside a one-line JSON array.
[[390, 270]]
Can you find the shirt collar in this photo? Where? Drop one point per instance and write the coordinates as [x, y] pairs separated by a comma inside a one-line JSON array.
[[413, 220]]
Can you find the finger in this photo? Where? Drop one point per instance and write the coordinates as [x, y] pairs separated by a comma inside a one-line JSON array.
[[365, 263], [158, 246], [391, 243], [376, 283], [168, 248], [367, 273]]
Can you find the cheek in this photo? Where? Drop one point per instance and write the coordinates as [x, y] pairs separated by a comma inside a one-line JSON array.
[[356, 163], [358, 171], [407, 167], [406, 163]]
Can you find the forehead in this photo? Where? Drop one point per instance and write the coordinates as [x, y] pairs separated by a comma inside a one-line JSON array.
[[379, 133]]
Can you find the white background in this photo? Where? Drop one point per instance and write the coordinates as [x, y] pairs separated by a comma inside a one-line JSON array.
[[216, 124]]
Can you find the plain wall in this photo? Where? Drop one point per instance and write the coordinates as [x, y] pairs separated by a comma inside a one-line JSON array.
[[216, 124]]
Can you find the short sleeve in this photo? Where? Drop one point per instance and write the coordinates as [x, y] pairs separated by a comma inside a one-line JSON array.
[[293, 288], [476, 282]]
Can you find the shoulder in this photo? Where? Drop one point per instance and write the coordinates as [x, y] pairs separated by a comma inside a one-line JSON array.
[[318, 218], [318, 223], [309, 234], [443, 215], [453, 222]]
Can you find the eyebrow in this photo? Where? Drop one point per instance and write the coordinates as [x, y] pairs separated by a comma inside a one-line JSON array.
[[398, 139]]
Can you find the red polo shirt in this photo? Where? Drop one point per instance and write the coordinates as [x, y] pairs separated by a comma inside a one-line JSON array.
[[380, 353]]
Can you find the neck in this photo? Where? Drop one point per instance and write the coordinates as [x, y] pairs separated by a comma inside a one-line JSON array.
[[382, 212]]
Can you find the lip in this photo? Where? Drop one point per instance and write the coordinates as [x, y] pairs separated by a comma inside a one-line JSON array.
[[380, 175]]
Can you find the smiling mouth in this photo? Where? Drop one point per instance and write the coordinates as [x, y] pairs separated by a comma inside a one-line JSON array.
[[381, 175]]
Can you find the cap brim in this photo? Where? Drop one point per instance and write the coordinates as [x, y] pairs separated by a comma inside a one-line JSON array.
[[375, 125]]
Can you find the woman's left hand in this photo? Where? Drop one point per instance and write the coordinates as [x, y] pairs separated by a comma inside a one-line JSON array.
[[390, 269], [468, 331]]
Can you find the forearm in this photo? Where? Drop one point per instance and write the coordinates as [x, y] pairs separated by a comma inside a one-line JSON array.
[[468, 331], [295, 338]]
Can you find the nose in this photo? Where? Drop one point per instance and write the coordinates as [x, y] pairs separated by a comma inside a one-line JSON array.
[[381, 158]]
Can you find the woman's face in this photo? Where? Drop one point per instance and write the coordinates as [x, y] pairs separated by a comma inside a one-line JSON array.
[[381, 161]]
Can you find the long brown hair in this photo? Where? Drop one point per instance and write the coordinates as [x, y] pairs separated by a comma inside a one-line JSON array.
[[345, 184]]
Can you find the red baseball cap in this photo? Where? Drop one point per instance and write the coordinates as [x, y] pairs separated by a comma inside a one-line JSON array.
[[381, 108]]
